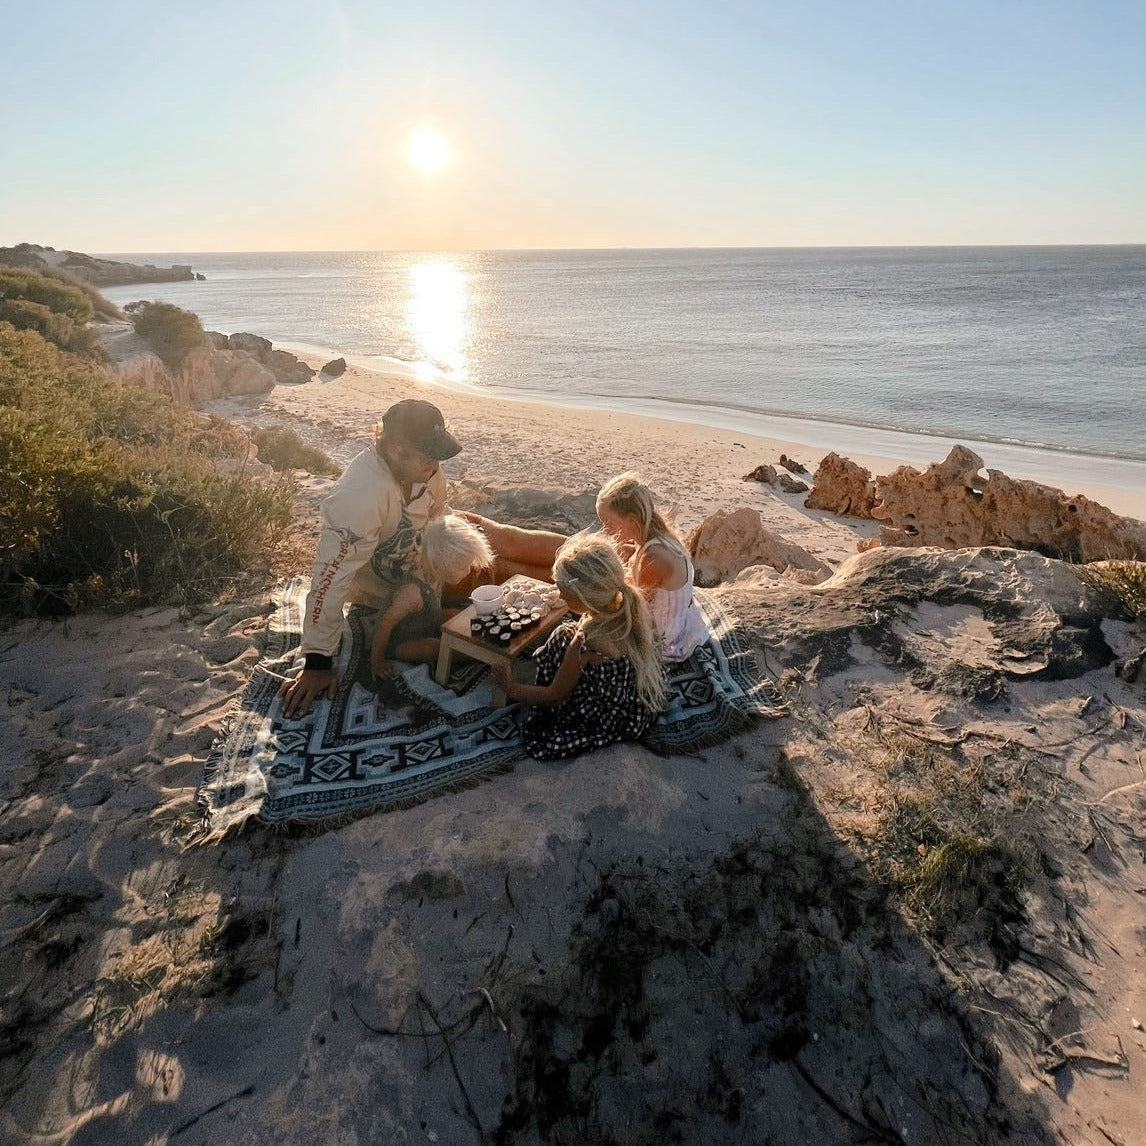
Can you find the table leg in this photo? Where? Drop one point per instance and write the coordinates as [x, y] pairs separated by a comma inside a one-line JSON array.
[[445, 656]]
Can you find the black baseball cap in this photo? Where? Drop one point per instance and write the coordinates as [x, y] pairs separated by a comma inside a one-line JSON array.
[[421, 425]]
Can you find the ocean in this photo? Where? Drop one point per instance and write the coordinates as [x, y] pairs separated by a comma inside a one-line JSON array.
[[998, 347]]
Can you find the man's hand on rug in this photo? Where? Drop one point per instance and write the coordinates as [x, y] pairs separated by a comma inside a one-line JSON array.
[[305, 689]]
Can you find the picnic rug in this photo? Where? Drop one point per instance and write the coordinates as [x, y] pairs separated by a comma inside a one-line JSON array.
[[392, 743]]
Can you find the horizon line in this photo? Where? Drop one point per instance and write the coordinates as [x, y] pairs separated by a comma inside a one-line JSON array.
[[574, 250]]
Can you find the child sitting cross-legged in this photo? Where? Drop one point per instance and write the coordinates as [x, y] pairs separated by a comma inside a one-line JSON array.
[[410, 627], [599, 679]]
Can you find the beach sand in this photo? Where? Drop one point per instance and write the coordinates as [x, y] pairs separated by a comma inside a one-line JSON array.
[[156, 993]]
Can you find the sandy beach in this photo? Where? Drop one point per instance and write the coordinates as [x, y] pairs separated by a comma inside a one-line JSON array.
[[242, 992], [695, 469]]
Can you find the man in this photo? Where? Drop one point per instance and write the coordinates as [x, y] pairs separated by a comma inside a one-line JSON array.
[[371, 523], [371, 527]]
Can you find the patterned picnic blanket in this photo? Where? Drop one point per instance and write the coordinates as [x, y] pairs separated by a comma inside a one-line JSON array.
[[392, 743]]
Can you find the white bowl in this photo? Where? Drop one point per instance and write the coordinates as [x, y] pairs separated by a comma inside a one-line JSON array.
[[486, 599]]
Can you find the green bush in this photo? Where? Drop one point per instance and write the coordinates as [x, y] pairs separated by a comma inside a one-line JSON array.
[[173, 333], [57, 328], [283, 449], [59, 296], [115, 495]]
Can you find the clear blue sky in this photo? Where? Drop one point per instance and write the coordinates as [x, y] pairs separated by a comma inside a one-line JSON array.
[[203, 125]]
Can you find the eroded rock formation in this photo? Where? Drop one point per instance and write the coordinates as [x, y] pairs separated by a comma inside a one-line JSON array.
[[725, 543], [842, 486], [951, 503], [961, 622]]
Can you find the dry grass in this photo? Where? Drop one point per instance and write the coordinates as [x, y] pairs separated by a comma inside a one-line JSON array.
[[1126, 580]]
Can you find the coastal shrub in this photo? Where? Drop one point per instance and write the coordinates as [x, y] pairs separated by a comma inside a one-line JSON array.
[[173, 333], [283, 449], [1126, 580], [57, 328], [103, 309], [55, 308], [112, 495], [59, 296]]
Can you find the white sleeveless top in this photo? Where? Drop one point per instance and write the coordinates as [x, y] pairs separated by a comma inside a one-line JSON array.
[[677, 617]]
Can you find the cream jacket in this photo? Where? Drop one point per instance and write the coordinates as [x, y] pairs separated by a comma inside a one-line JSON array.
[[364, 511]]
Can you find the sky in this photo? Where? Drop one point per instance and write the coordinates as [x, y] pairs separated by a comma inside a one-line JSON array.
[[246, 125]]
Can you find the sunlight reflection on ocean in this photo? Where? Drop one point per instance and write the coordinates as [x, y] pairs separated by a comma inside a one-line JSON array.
[[1044, 346]]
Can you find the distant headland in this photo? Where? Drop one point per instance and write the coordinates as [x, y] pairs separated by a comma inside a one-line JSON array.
[[89, 269]]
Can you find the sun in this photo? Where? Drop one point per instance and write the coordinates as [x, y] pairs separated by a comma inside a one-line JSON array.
[[428, 149]]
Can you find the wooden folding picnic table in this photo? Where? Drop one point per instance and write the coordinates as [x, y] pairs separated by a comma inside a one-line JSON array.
[[457, 639]]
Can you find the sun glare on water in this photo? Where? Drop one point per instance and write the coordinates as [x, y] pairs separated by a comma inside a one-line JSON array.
[[428, 149]]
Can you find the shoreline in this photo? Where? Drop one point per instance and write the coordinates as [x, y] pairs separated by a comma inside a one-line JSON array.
[[1119, 484]]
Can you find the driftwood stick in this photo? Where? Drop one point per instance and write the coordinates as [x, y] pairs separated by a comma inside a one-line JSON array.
[[470, 1111]]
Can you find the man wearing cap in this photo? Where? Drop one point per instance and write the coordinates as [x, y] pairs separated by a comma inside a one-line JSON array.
[[371, 525], [372, 522]]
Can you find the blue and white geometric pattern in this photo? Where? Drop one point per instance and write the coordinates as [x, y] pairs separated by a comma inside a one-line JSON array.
[[376, 748]]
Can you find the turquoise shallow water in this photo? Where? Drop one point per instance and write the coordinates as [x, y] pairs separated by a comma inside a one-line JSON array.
[[1038, 346]]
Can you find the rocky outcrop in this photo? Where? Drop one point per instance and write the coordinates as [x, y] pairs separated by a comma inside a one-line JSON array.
[[334, 368], [952, 504], [282, 366], [89, 269], [287, 368], [762, 473], [252, 344], [782, 479], [841, 486], [962, 621], [211, 374], [725, 543]]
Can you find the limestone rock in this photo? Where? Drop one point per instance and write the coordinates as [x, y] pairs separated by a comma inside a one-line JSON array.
[[762, 473], [952, 504], [217, 340], [334, 368], [793, 466], [789, 484], [211, 374], [782, 479], [252, 344], [725, 543], [842, 486], [287, 368], [962, 621], [239, 374]]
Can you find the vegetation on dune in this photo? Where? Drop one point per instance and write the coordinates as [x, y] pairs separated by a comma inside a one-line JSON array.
[[283, 449], [54, 308], [1126, 580], [173, 333], [111, 494]]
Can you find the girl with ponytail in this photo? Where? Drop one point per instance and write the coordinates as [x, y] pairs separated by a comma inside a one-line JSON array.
[[659, 564], [599, 679]]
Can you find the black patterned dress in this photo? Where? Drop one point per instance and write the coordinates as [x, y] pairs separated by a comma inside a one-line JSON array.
[[603, 707]]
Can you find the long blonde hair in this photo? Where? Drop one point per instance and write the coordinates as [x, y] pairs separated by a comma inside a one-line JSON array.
[[451, 548], [626, 494], [589, 568]]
